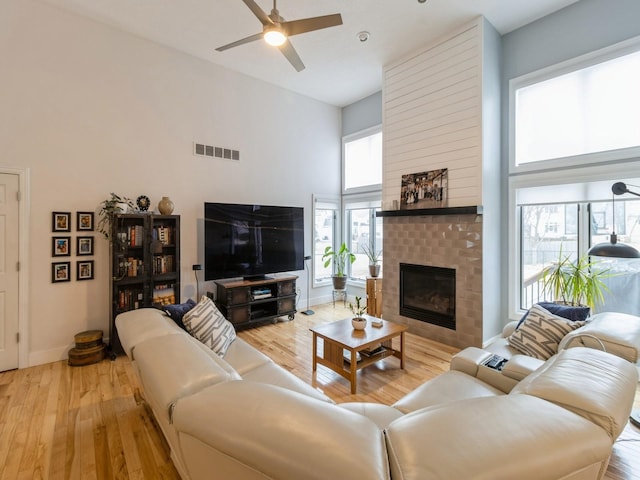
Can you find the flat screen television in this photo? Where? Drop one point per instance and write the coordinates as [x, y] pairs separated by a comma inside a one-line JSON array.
[[252, 241]]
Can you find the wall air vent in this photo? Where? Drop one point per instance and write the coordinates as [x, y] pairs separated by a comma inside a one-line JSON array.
[[202, 150]]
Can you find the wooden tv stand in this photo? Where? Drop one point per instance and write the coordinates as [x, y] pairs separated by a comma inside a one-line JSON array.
[[249, 302]]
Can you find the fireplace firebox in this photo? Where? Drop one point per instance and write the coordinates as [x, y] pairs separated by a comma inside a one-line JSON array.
[[428, 294]]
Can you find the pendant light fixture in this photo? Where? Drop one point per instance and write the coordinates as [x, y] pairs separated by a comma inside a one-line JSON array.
[[612, 248]]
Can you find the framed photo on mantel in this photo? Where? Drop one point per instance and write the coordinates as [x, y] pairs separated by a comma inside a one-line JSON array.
[[424, 190]]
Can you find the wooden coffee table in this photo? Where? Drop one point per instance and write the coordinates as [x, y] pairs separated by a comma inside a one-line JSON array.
[[340, 336]]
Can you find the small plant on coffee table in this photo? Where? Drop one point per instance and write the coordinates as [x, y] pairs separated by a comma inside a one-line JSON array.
[[358, 309]]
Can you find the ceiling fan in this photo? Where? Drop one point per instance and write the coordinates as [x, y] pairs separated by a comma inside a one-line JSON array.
[[275, 31]]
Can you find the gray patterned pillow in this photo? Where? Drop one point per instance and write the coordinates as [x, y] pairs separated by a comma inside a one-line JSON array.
[[207, 324], [541, 332]]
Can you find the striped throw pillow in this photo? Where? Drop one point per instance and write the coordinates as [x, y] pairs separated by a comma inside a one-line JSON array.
[[541, 332], [207, 324]]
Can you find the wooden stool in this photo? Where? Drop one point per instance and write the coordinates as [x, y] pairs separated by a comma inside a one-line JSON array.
[[89, 348]]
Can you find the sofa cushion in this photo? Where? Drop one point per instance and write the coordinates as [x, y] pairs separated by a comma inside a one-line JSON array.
[[381, 415], [594, 384], [445, 388], [501, 347], [136, 326], [619, 332], [207, 324], [541, 332], [250, 430], [272, 374], [243, 357], [177, 311], [173, 366], [499, 438]]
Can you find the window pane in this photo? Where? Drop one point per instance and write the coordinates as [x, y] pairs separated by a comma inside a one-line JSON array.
[[625, 223], [363, 162], [359, 236], [379, 240], [546, 230], [594, 109], [324, 227]]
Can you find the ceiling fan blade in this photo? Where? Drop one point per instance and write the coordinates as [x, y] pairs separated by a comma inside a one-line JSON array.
[[252, 38], [258, 12], [288, 51], [304, 25]]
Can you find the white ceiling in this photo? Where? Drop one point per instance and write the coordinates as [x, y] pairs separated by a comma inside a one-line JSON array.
[[339, 68]]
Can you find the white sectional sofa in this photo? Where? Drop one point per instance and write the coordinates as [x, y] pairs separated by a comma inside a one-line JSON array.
[[244, 417]]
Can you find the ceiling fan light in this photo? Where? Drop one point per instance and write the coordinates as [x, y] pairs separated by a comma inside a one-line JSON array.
[[274, 37]]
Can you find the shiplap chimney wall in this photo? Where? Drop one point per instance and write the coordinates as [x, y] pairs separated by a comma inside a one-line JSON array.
[[432, 116], [441, 109]]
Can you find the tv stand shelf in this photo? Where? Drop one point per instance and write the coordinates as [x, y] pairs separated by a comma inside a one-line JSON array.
[[249, 302]]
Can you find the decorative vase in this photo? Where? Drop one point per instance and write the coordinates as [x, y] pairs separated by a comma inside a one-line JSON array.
[[374, 270], [165, 206], [359, 323]]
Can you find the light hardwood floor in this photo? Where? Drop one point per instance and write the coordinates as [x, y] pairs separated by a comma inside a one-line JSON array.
[[90, 422]]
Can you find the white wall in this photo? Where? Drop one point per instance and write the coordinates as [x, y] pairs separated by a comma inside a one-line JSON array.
[[90, 110], [363, 114]]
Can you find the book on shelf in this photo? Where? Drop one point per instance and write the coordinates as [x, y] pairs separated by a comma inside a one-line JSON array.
[[135, 235], [130, 267], [129, 299], [164, 264], [260, 296], [370, 352], [165, 234], [346, 354]]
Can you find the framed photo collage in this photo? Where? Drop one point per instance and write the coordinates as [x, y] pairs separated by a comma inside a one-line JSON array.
[[62, 246]]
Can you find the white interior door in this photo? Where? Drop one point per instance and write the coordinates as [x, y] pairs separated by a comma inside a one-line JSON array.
[[9, 242]]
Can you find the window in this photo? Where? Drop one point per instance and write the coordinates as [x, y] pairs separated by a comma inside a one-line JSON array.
[[544, 232], [573, 132], [585, 110], [325, 232], [362, 161], [540, 246], [626, 226], [364, 230], [362, 193]]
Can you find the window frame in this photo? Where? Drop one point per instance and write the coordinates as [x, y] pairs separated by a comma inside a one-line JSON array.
[[590, 59], [324, 203], [584, 186], [372, 202]]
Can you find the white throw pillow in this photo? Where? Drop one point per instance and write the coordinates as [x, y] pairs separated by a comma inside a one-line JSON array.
[[541, 332], [207, 324]]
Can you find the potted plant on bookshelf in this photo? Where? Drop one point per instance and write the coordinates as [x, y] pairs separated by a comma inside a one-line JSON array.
[[374, 259], [575, 283], [108, 208], [358, 322], [340, 259]]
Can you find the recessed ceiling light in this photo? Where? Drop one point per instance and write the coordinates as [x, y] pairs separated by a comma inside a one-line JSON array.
[[363, 36], [422, 1]]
